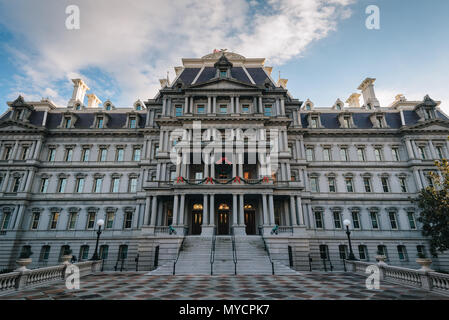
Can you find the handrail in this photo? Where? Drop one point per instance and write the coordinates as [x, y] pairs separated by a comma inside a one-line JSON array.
[[268, 252], [212, 252], [234, 252], [177, 257]]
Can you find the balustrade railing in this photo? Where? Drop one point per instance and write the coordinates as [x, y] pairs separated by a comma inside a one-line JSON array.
[[19, 280], [427, 280]]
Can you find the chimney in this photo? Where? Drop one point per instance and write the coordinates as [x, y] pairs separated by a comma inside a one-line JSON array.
[[93, 101], [367, 88], [268, 70], [163, 82], [178, 70], [353, 101], [79, 91]]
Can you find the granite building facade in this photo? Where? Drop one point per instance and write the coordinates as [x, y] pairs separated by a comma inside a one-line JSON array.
[[63, 168]]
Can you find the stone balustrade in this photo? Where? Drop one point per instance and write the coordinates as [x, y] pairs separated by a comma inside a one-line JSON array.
[[19, 280], [426, 280]]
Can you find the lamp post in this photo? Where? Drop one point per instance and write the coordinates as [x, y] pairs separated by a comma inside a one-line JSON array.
[[100, 223], [347, 223]]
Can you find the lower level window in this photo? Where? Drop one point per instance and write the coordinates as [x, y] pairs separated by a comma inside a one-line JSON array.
[[84, 253], [402, 252], [324, 253], [363, 252]]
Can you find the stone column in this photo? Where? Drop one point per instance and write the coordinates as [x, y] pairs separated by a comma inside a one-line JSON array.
[[241, 210], [234, 167], [240, 165], [293, 211], [212, 210], [408, 145], [255, 106], [191, 106], [295, 118], [153, 211], [415, 150], [283, 107], [234, 210], [37, 150], [432, 150], [265, 210], [447, 148], [182, 209], [214, 105], [417, 179], [14, 151], [271, 209], [164, 106], [205, 210], [175, 209], [18, 219], [260, 105], [299, 210], [186, 105], [29, 181], [5, 182], [212, 167], [237, 105], [209, 105]]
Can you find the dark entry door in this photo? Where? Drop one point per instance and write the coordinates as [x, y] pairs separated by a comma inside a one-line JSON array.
[[223, 222], [250, 222], [197, 221]]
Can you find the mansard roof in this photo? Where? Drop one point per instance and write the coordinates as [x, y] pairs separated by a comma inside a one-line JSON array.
[[206, 74]]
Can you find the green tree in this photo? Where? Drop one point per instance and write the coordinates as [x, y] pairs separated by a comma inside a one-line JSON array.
[[433, 203]]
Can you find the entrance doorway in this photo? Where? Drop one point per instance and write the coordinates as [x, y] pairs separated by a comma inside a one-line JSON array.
[[223, 219], [250, 220], [197, 219]]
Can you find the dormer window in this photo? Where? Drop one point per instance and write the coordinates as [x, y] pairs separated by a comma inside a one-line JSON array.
[[138, 107], [67, 122], [379, 122], [267, 111], [200, 109], [428, 114], [308, 107], [100, 123], [338, 106], [132, 123], [108, 107], [178, 111], [314, 122], [77, 107], [245, 108], [18, 115], [223, 73], [347, 122]]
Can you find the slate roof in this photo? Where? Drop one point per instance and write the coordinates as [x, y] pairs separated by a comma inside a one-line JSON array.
[[189, 74]]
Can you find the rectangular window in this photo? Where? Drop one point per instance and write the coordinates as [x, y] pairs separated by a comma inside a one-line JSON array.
[[68, 123], [374, 221], [16, 185], [200, 109], [385, 185], [97, 185], [45, 253], [411, 220], [403, 184], [422, 152], [245, 108], [380, 123], [84, 253], [343, 251], [100, 123], [349, 185], [136, 154], [267, 111], [361, 154], [54, 220], [178, 111], [327, 154], [104, 252], [337, 220], [23, 156], [85, 155], [393, 220], [332, 186], [5, 220], [72, 221], [355, 220], [51, 155], [103, 154], [367, 184], [223, 109], [319, 220], [347, 122], [68, 154], [309, 154], [109, 220], [324, 252], [363, 252], [421, 251], [132, 123], [344, 154], [44, 185], [396, 155], [402, 253], [199, 175], [7, 153], [91, 220], [120, 154], [79, 185], [378, 154], [123, 252], [440, 152], [314, 122], [35, 220], [115, 185], [128, 220], [133, 185], [61, 185], [314, 184]]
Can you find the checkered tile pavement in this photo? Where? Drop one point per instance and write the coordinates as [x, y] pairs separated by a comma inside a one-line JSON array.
[[137, 286]]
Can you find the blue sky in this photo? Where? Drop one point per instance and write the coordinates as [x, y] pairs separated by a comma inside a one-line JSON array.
[[321, 46]]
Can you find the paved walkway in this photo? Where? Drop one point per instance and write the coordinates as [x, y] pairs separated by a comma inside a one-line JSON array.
[[305, 286]]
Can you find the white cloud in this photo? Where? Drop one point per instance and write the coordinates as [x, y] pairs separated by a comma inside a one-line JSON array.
[[135, 42]]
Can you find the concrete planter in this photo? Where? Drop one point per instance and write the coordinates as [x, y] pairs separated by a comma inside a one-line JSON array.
[[424, 263], [66, 259], [23, 263], [381, 259]]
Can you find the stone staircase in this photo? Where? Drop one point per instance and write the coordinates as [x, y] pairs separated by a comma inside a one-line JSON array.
[[252, 259]]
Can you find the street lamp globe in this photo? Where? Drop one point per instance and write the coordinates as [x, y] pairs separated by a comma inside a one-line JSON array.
[[346, 223], [100, 222]]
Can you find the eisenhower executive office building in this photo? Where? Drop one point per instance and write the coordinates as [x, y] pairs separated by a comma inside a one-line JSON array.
[[64, 168]]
